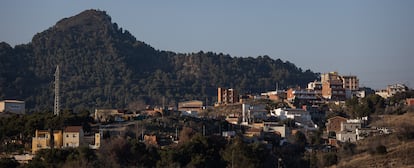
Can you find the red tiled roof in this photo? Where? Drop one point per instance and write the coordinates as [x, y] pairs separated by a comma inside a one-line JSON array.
[[73, 128]]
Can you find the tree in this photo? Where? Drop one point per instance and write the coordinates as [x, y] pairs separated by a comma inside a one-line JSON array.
[[8, 163]]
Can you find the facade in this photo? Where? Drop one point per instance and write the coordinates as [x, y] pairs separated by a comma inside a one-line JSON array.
[[350, 83], [315, 85], [280, 129], [301, 94], [73, 136], [351, 125], [332, 88], [337, 87], [346, 136], [348, 129], [250, 113], [296, 114], [410, 101], [391, 90], [12, 106], [334, 124], [227, 96], [194, 105], [275, 95], [104, 115], [43, 140]]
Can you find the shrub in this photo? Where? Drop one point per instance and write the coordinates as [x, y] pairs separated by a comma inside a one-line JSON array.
[[381, 149], [329, 159]]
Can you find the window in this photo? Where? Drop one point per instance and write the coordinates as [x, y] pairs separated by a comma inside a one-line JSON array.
[[74, 135], [67, 135]]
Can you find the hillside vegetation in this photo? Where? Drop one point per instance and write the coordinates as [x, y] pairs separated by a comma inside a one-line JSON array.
[[104, 66], [399, 145]]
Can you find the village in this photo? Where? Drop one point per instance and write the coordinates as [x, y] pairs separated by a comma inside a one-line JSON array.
[[265, 117]]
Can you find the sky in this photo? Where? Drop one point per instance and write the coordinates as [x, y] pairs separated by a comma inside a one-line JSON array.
[[372, 39]]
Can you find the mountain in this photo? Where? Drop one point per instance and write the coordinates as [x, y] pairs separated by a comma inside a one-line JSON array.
[[104, 66]]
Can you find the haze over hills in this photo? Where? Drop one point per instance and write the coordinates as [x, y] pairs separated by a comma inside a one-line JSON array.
[[104, 66]]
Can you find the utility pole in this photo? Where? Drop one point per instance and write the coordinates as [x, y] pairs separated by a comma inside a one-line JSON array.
[[57, 96]]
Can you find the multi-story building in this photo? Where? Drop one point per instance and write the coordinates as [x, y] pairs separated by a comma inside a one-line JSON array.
[[332, 86], [73, 136], [391, 90], [301, 94], [12, 106], [315, 85], [227, 96], [43, 140], [334, 124], [350, 83]]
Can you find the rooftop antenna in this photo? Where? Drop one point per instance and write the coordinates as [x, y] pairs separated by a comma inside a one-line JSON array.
[[57, 97]]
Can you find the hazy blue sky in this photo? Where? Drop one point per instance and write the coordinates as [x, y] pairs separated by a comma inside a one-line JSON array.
[[373, 39]]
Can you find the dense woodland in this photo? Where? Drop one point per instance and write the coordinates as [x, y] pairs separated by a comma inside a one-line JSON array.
[[104, 66]]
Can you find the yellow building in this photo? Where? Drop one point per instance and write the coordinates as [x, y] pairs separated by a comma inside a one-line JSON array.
[[71, 136], [42, 140]]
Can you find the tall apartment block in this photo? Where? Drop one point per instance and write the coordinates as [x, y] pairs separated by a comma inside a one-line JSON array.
[[227, 96], [350, 83], [332, 86]]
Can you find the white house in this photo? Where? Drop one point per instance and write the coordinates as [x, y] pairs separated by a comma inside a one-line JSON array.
[[252, 112], [285, 113], [73, 136]]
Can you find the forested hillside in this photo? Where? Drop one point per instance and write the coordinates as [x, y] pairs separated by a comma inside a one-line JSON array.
[[104, 66]]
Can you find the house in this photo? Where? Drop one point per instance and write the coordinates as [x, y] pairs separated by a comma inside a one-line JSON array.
[[275, 95], [301, 116], [43, 139], [73, 136], [391, 90], [12, 106], [351, 125], [285, 113], [345, 136], [301, 94], [334, 124], [277, 128], [250, 113], [105, 115], [190, 108], [348, 131]]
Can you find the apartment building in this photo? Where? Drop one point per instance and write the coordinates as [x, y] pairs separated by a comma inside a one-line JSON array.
[[227, 96], [332, 86], [350, 82]]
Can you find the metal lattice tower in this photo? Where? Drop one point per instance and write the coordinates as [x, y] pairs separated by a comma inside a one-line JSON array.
[[57, 97]]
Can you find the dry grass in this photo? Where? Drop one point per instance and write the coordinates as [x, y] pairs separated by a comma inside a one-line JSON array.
[[399, 153]]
